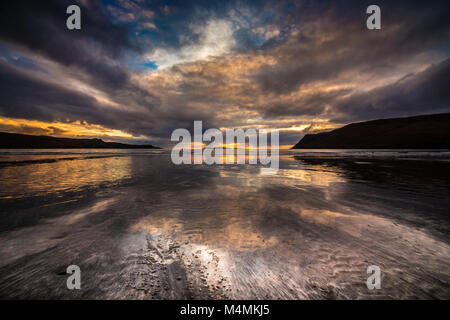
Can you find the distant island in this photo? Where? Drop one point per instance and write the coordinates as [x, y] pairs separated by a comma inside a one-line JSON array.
[[418, 132], [25, 141]]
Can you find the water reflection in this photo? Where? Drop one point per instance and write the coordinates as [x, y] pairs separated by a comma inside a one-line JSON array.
[[42, 178], [229, 232]]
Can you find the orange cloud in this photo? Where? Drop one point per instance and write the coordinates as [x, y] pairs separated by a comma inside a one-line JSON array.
[[66, 129]]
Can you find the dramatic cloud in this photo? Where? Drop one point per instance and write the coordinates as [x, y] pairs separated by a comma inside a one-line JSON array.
[[143, 68], [422, 93]]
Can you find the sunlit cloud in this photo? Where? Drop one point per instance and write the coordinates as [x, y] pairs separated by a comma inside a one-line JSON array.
[[215, 39], [62, 129]]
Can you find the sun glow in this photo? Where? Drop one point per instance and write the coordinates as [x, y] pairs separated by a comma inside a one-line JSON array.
[[66, 129]]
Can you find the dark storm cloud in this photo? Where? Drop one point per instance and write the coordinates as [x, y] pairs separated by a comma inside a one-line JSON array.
[[312, 104], [27, 97], [423, 93], [93, 52], [334, 40], [24, 97], [36, 23], [40, 26]]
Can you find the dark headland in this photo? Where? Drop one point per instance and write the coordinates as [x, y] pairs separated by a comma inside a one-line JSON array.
[[418, 132], [24, 141]]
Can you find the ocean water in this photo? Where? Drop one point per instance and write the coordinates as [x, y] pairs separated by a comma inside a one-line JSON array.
[[140, 227]]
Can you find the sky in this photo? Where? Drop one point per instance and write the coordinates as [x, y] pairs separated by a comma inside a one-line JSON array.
[[137, 70]]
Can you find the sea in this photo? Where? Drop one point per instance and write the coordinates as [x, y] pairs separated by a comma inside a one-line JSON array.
[[140, 227]]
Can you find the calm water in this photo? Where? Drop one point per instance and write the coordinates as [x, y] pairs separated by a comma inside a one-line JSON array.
[[140, 227]]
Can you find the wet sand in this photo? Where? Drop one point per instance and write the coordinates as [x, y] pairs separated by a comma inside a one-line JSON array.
[[140, 227]]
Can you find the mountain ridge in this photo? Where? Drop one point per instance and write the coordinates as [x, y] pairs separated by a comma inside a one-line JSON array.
[[25, 141], [416, 132]]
